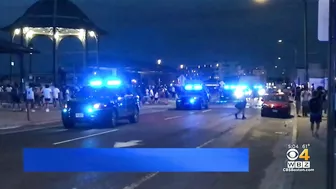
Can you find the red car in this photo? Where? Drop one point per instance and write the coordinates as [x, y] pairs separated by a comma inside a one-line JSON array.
[[276, 104]]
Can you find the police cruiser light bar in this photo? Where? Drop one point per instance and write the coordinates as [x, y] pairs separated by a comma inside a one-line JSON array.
[[193, 87]]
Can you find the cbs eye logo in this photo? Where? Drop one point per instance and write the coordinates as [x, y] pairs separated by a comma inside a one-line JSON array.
[[293, 154]]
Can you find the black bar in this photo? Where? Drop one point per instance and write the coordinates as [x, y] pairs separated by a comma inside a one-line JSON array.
[[331, 99]]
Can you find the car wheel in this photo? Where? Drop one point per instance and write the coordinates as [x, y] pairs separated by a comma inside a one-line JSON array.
[[206, 106], [200, 105], [178, 107], [135, 116], [68, 124], [114, 119], [263, 114]]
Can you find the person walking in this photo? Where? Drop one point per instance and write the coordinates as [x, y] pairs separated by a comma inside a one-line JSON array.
[[30, 98], [315, 107], [241, 106], [298, 101], [305, 97], [47, 94]]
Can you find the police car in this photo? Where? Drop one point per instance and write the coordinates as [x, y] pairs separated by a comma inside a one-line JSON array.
[[101, 102], [193, 96]]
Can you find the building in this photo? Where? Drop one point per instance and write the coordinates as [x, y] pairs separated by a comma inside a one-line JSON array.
[[315, 71]]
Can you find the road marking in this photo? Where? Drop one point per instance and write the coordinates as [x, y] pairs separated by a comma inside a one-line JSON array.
[[8, 131], [148, 177], [174, 117], [206, 110], [88, 136]]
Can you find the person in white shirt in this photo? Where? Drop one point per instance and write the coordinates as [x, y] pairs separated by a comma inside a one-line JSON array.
[[151, 94], [305, 97], [56, 93], [8, 89], [47, 94], [156, 96], [30, 98]]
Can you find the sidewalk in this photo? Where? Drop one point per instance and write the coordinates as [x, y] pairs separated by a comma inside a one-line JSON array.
[[12, 120], [18, 120], [317, 152]]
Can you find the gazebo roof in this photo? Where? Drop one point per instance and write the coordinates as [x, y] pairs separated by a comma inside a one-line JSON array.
[[9, 47], [40, 15]]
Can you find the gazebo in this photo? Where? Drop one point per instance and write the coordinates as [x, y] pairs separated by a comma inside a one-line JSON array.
[[56, 19], [7, 47]]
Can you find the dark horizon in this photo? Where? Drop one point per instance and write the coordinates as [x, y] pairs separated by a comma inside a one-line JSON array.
[[187, 33]]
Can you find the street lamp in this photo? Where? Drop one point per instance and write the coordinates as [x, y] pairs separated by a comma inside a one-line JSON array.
[[275, 66], [260, 1], [159, 62], [279, 58], [280, 41], [181, 66]]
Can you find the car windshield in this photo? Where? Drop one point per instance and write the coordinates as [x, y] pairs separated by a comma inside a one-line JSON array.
[[89, 92], [280, 98]]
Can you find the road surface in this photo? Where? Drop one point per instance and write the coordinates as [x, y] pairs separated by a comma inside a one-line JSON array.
[[214, 128]]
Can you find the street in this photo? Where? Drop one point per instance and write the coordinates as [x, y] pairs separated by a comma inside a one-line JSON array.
[[216, 127]]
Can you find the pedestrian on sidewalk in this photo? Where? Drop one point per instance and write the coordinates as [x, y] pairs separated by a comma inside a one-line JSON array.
[[305, 97], [55, 94], [16, 100], [30, 98], [315, 107], [241, 106], [298, 101], [47, 94]]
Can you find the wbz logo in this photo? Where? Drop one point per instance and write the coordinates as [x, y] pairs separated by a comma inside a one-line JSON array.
[[298, 164]]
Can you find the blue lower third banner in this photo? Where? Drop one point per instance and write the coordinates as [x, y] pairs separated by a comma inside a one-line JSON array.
[[136, 160]]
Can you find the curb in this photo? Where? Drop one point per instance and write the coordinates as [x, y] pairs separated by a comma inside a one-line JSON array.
[[32, 123]]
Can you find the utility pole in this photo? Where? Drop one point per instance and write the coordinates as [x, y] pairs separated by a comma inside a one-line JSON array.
[[331, 99], [305, 39]]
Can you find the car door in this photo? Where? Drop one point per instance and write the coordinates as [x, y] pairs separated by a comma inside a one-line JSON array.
[[129, 100], [122, 103]]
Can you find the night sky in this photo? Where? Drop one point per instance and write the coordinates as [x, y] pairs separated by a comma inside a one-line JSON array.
[[186, 32]]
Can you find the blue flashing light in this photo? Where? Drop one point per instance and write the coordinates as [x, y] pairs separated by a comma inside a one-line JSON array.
[[65, 110], [113, 82], [226, 87], [233, 87], [257, 87], [90, 110], [188, 87], [96, 83], [195, 87], [192, 101], [198, 87]]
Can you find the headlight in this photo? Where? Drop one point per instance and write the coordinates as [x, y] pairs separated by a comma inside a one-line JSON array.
[[239, 93], [65, 106], [261, 92], [96, 106]]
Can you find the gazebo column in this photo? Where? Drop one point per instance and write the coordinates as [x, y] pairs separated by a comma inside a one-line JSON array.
[[97, 50], [22, 70], [86, 51], [11, 59], [54, 51]]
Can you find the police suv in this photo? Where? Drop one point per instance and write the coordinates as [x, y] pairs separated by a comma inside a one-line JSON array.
[[102, 102], [193, 96]]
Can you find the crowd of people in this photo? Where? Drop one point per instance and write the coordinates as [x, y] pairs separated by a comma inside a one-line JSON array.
[[309, 102], [34, 96], [313, 103]]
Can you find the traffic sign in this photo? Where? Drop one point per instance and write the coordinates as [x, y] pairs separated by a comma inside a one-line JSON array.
[[323, 20]]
